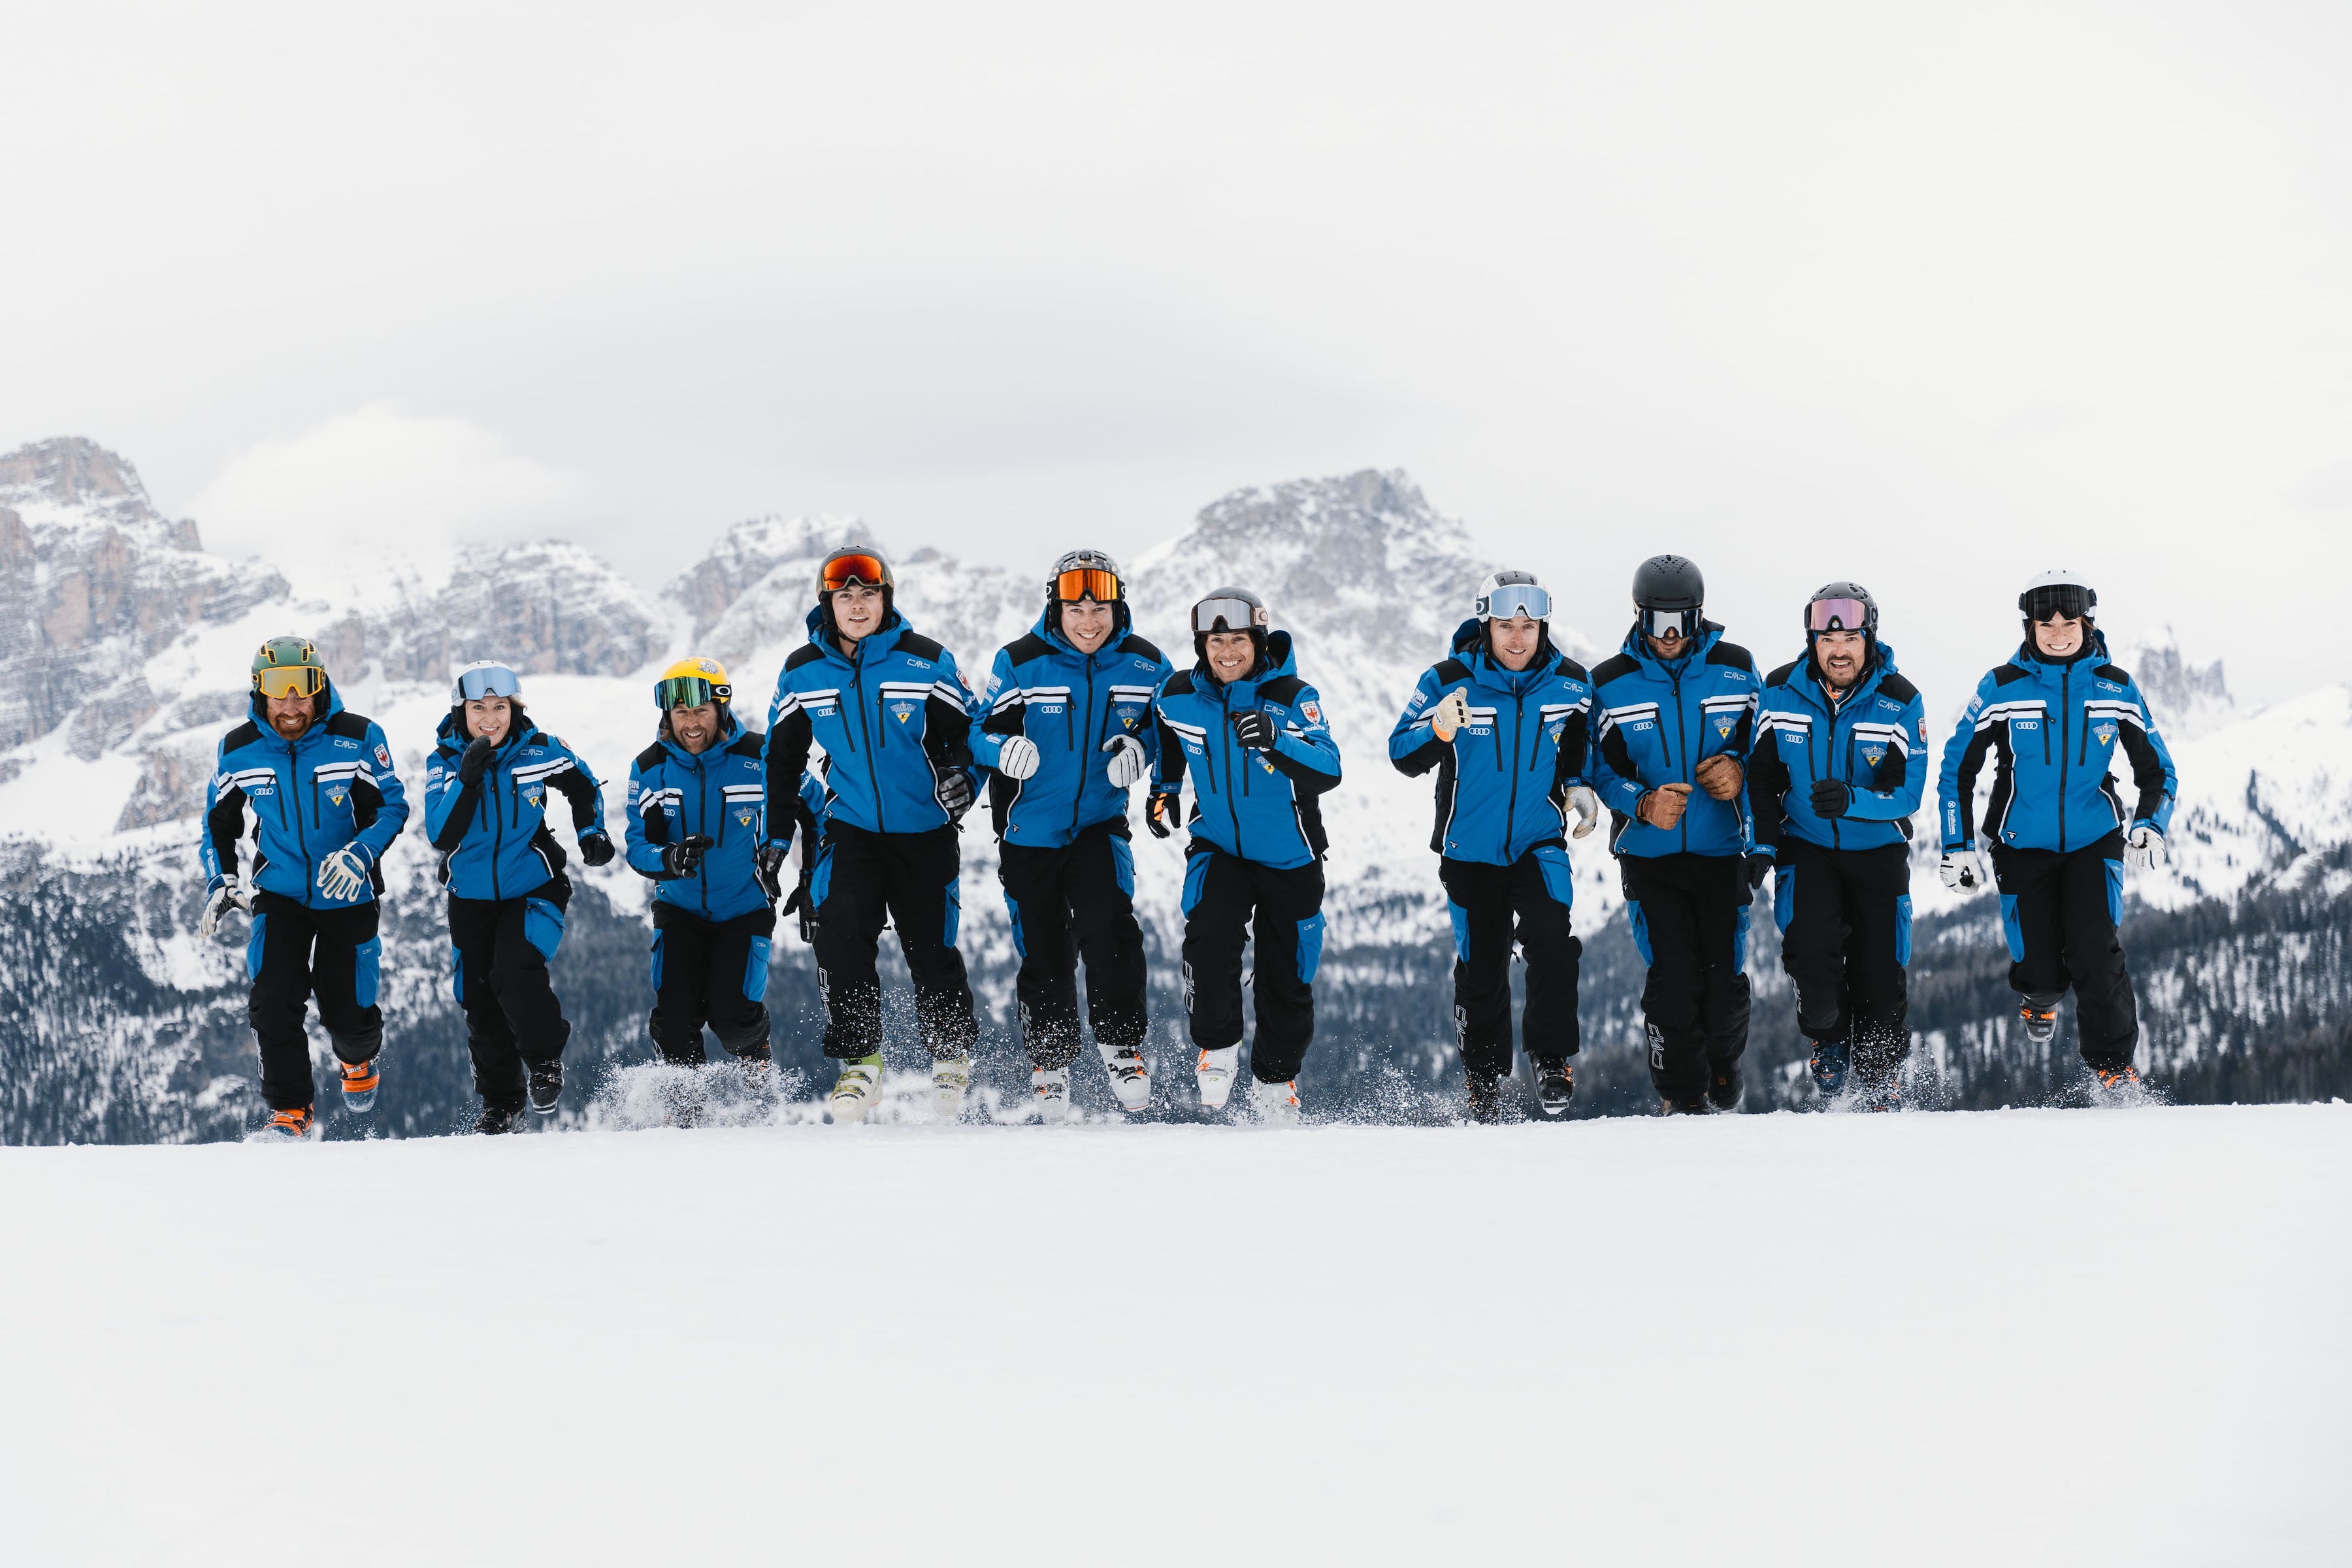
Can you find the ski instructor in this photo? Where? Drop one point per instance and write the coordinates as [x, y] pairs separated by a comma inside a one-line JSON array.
[[326, 805], [1063, 727]]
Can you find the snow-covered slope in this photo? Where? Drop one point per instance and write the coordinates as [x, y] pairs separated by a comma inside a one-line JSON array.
[[2023, 1338]]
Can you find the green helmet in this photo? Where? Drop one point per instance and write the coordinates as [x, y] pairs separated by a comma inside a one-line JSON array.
[[288, 667]]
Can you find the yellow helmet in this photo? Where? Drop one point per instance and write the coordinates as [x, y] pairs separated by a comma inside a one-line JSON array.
[[691, 682]]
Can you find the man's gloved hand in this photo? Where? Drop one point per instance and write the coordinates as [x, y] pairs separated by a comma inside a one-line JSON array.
[[225, 896], [1720, 775], [1451, 714], [1585, 807], [1964, 870], [1160, 811], [596, 848], [768, 867], [954, 793], [1255, 729], [343, 874], [1127, 761], [1017, 758], [1830, 798], [476, 758], [1663, 806], [684, 858], [1758, 867], [2144, 848]]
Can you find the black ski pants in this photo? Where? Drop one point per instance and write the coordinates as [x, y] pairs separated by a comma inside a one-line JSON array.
[[1076, 899], [2060, 913], [911, 878], [1689, 915], [1493, 909], [714, 972], [297, 952], [499, 950], [1229, 901], [1845, 936]]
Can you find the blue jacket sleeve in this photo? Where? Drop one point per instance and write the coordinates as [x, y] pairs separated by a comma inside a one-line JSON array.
[[1304, 742], [586, 795], [996, 712], [644, 844], [1893, 806], [392, 807], [1413, 745], [1148, 731], [1615, 778], [2151, 762], [223, 822], [1955, 779]]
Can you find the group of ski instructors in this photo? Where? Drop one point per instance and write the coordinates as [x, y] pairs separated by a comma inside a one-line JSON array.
[[1714, 779]]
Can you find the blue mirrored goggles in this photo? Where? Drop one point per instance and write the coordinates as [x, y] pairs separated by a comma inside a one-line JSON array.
[[1513, 599], [487, 680], [1683, 623]]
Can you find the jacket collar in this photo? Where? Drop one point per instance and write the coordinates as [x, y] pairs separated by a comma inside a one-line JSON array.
[[728, 730], [1808, 678], [1280, 659], [1637, 648], [255, 706], [882, 640], [1048, 628], [2093, 651], [449, 737], [1470, 648]]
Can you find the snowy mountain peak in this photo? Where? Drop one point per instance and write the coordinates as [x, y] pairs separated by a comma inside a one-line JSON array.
[[2189, 700], [70, 481], [752, 549]]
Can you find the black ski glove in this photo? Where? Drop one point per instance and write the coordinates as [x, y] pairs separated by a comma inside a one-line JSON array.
[[685, 857], [767, 863], [1830, 798], [954, 793], [1255, 729], [1758, 867], [476, 758], [1157, 810], [798, 904], [596, 848]]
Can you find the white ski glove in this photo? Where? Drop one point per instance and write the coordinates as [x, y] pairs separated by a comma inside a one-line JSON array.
[[343, 874], [1017, 758], [2144, 848], [1587, 808], [1965, 870], [1452, 714], [231, 895], [1127, 761]]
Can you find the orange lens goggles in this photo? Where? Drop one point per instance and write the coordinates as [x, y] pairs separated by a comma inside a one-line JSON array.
[[1087, 582], [291, 680], [845, 570]]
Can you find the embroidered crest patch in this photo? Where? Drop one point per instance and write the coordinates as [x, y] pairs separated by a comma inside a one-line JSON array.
[[1313, 710]]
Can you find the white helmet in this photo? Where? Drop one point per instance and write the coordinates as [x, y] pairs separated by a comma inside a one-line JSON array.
[[485, 678], [2057, 592], [1508, 594]]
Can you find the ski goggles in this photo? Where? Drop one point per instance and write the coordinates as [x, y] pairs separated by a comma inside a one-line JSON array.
[[2070, 600], [843, 570], [284, 680], [487, 680], [1087, 583], [1837, 616], [1514, 599], [689, 691], [1227, 615], [1683, 623]]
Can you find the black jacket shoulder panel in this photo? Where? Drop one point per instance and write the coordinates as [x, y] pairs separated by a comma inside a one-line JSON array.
[[920, 646], [1574, 670], [1142, 649], [1785, 673], [807, 653], [2008, 674], [1614, 668], [650, 757], [1732, 654], [1283, 688], [750, 744], [1179, 684], [350, 726], [1898, 685], [2112, 672], [1450, 670], [1027, 646], [245, 735]]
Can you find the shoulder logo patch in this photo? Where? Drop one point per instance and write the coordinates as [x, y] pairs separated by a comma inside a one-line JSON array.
[[1313, 710]]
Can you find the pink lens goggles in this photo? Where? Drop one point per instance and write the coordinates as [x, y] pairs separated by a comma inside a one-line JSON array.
[[1837, 616]]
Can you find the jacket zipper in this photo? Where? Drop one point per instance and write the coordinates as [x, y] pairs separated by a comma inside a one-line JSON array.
[[2065, 716], [1225, 745], [1086, 742], [872, 776], [1684, 740], [1511, 809], [293, 791]]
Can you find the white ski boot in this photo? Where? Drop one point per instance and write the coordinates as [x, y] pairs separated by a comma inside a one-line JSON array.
[[1215, 1073], [1051, 1087], [1129, 1078], [1277, 1104], [951, 1078], [857, 1091]]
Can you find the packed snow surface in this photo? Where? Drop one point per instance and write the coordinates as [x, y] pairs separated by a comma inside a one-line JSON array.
[[2025, 1337]]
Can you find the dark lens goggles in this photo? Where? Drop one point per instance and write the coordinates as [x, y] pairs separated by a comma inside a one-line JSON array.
[[1683, 623], [688, 691], [2070, 600], [1087, 583], [1837, 616], [843, 570], [1227, 615], [1514, 599]]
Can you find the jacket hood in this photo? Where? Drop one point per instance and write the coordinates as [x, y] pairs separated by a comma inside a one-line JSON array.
[[254, 705], [1281, 658]]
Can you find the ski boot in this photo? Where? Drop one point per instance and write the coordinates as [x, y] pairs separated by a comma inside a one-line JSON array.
[[1051, 1089], [1555, 1087], [1482, 1098], [1726, 1087], [295, 1126], [2120, 1086], [1130, 1079], [360, 1081], [1880, 1092], [950, 1079], [2041, 1023], [1830, 1060], [1214, 1072], [546, 1086], [1670, 1105], [856, 1091], [496, 1119], [1276, 1104], [757, 1065]]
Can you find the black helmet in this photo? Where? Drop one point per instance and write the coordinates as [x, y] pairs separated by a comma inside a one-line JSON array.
[[1840, 607], [1668, 582], [1085, 575], [1229, 610]]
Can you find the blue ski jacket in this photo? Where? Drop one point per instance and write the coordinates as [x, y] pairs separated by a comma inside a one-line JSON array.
[[1068, 703], [311, 797], [891, 718], [721, 794], [1658, 723], [1256, 805], [1503, 783], [1874, 742], [2054, 727], [492, 833]]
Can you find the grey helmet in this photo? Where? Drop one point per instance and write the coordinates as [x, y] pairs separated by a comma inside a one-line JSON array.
[[1669, 593]]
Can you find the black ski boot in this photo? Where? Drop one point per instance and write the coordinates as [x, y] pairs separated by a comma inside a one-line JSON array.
[[546, 1086], [1555, 1087], [1670, 1106], [497, 1119], [1482, 1095], [1828, 1066], [2041, 1023], [1725, 1089]]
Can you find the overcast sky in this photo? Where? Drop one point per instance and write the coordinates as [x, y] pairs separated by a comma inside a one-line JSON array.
[[1932, 297]]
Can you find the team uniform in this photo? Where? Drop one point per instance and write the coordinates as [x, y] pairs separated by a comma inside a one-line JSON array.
[[1842, 880], [2057, 826], [1686, 893], [1068, 869], [507, 897], [1253, 868], [1503, 784], [331, 790]]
